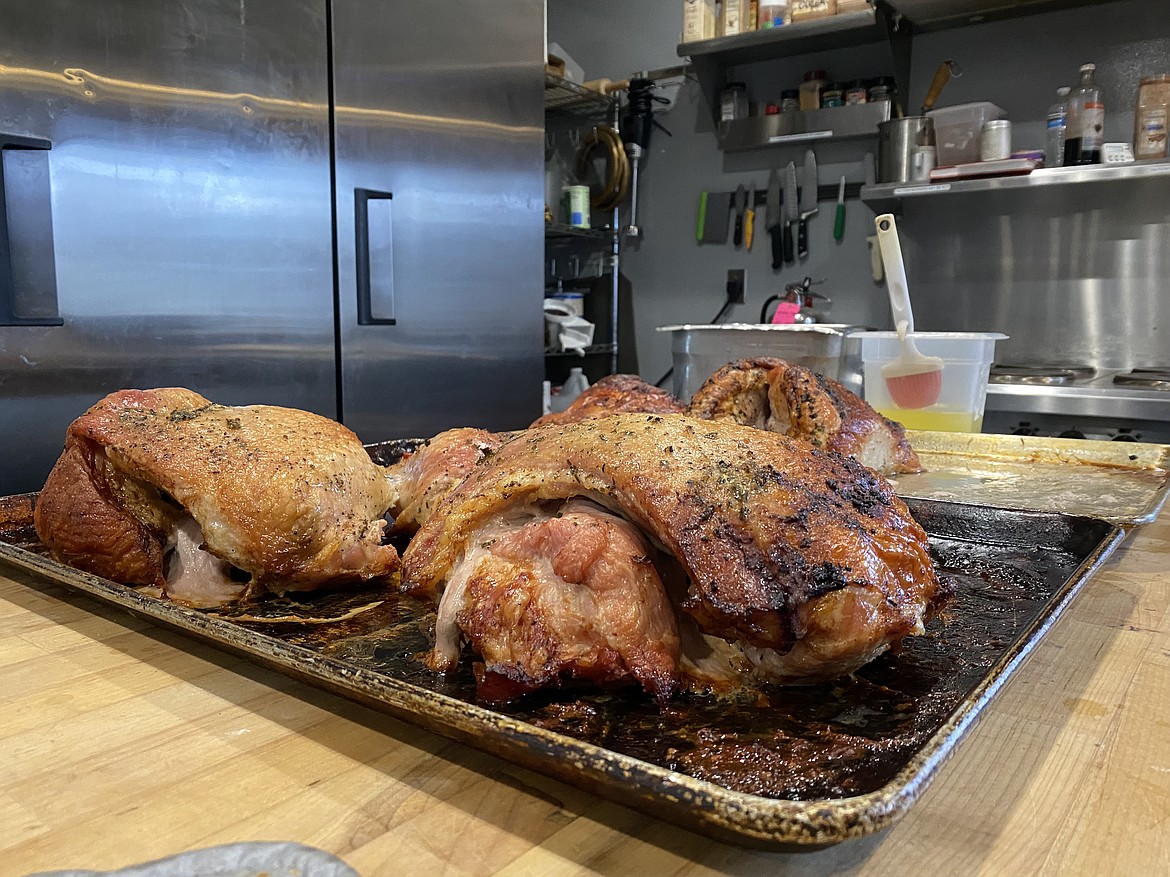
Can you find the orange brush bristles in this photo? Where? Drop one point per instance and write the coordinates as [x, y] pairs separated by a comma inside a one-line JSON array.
[[916, 390]]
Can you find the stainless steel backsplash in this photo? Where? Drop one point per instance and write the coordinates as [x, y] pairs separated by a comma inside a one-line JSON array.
[[1075, 274]]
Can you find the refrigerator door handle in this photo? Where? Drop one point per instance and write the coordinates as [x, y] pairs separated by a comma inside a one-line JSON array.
[[374, 255], [37, 306]]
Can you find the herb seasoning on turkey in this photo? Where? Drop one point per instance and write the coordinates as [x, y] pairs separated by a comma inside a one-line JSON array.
[[742, 556]]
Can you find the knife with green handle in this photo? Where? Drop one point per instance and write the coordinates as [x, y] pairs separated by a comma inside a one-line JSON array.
[[839, 219]]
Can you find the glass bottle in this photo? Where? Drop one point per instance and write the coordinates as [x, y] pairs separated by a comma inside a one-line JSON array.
[[1057, 124], [1086, 121]]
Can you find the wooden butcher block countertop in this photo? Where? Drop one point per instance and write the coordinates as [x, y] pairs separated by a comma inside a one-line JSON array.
[[122, 742]]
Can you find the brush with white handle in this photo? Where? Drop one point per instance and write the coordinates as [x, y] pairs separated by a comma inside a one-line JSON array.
[[913, 380]]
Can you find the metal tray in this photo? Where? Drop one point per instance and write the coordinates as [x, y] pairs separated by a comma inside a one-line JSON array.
[[816, 765], [1122, 482]]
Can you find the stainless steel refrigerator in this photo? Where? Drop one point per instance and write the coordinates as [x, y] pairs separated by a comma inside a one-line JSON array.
[[329, 204]]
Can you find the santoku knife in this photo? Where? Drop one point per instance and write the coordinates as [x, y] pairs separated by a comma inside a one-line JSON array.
[[791, 211], [808, 202]]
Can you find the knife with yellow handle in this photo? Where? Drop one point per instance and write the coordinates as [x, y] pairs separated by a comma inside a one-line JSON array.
[[749, 218]]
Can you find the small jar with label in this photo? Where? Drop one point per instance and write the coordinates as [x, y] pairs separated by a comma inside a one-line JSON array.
[[733, 102], [1151, 122], [856, 93], [997, 140], [811, 88], [832, 96], [882, 88], [789, 100]]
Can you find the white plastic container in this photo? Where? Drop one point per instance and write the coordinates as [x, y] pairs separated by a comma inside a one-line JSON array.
[[958, 131], [967, 363]]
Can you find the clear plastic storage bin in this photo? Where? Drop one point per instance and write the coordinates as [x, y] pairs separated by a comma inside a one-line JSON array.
[[967, 358], [958, 131]]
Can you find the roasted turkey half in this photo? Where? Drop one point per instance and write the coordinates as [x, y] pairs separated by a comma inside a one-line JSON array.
[[780, 396], [742, 555], [212, 503]]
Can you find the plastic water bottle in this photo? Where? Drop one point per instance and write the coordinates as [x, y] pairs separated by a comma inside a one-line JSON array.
[[575, 384], [1057, 123]]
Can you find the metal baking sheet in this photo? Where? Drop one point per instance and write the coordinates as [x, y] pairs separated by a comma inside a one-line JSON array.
[[1122, 482], [788, 768]]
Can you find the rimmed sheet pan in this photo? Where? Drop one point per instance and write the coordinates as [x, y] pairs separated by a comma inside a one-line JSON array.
[[1123, 482], [785, 768]]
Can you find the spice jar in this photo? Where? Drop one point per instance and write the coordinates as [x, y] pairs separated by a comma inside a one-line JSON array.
[[789, 100], [810, 89], [882, 88], [997, 140], [1152, 118], [733, 102], [832, 95], [856, 92]]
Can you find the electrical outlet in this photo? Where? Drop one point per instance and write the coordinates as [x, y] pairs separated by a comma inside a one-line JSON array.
[[736, 285]]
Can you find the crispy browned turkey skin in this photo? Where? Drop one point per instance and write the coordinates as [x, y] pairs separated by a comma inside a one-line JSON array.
[[212, 503], [420, 480], [616, 394], [796, 564], [779, 396]]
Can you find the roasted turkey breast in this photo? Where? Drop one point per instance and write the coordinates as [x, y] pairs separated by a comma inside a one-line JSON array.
[[208, 502], [796, 563], [616, 394], [772, 394]]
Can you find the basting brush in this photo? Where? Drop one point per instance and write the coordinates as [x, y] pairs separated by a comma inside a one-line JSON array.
[[913, 380]]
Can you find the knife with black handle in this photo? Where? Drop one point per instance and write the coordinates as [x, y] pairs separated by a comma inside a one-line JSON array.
[[740, 204], [773, 224], [808, 203]]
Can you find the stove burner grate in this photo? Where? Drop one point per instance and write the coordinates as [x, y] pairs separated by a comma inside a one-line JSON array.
[[1145, 378], [1045, 375]]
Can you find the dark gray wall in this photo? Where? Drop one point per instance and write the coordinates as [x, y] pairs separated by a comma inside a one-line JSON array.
[[1017, 64]]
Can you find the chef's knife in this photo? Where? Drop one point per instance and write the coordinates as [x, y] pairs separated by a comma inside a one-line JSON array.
[[740, 204], [808, 202], [791, 211], [772, 222]]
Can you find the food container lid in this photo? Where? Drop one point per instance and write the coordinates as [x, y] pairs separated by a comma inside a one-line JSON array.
[[956, 336], [771, 110], [815, 328], [793, 93], [814, 75], [735, 86]]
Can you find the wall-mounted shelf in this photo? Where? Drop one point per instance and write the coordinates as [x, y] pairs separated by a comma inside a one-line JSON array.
[[888, 21], [565, 98], [887, 197], [805, 126], [591, 350], [833, 32], [559, 231]]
